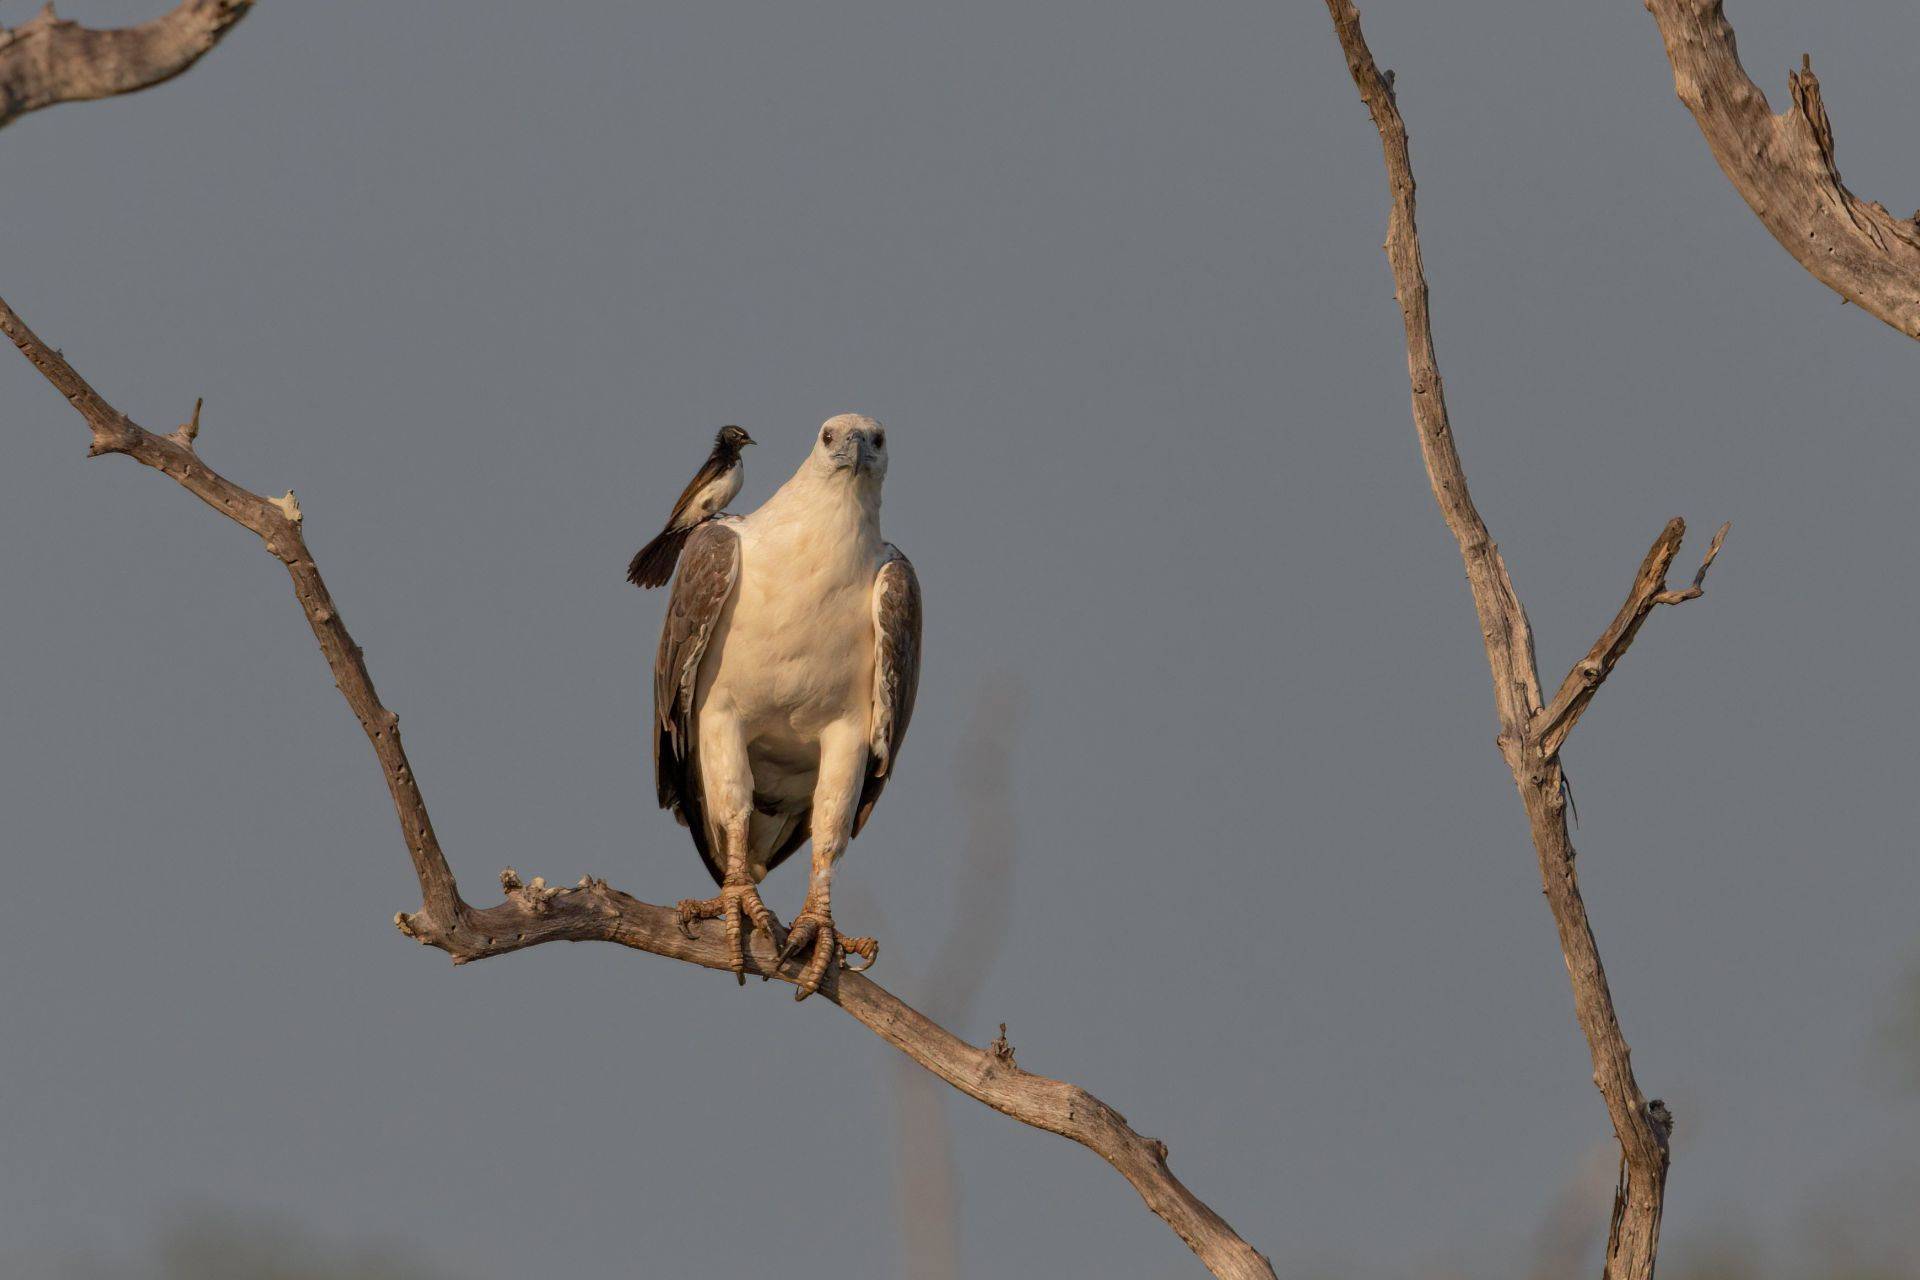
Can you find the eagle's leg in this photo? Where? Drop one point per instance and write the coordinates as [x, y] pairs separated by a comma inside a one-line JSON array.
[[737, 902], [843, 766]]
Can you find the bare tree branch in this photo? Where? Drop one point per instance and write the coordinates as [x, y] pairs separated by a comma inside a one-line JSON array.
[[48, 59], [1530, 734], [1783, 167], [1553, 724], [534, 912]]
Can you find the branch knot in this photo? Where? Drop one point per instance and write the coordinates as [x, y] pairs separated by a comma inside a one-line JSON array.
[[1001, 1051], [535, 895], [185, 434]]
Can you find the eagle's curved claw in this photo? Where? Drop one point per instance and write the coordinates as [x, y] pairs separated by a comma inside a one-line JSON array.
[[734, 905], [811, 929], [867, 949], [806, 926]]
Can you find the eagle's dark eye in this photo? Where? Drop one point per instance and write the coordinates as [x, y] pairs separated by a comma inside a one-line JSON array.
[[826, 437], [879, 439]]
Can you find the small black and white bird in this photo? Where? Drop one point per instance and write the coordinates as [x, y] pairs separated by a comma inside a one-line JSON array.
[[711, 489]]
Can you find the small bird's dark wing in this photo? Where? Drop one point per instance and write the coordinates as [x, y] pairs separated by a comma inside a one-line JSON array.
[[710, 470], [896, 672], [709, 569]]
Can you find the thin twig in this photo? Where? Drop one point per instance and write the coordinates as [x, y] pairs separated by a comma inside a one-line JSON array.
[[534, 913], [1699, 587], [1553, 724]]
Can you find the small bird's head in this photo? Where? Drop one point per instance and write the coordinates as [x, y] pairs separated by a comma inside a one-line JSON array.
[[852, 443], [733, 438]]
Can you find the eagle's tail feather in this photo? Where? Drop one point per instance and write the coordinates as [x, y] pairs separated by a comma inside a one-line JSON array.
[[652, 564]]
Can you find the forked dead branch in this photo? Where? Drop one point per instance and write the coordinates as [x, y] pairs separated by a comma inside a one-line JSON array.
[[1533, 729], [535, 912]]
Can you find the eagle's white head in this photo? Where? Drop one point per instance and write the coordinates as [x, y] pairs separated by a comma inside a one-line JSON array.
[[851, 445]]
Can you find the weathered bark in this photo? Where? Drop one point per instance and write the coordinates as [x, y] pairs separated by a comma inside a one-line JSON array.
[[534, 912], [48, 59], [1783, 167], [1531, 730]]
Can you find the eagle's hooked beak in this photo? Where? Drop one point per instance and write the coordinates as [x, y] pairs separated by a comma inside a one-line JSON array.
[[854, 453]]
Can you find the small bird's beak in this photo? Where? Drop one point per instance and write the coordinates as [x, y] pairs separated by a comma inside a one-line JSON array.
[[746, 440]]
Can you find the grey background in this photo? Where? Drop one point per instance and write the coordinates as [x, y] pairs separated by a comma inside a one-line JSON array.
[[478, 281]]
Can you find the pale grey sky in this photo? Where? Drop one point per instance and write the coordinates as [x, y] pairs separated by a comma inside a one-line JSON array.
[[479, 281]]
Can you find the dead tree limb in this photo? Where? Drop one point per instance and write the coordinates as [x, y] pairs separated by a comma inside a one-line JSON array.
[[48, 59], [1531, 730], [1783, 167], [534, 912]]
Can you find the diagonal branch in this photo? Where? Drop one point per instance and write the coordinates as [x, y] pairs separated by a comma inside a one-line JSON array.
[[534, 912], [48, 59], [1783, 167], [1641, 1127], [1552, 725]]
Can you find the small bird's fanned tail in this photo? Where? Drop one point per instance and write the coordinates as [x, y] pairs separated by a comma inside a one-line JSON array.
[[652, 564]]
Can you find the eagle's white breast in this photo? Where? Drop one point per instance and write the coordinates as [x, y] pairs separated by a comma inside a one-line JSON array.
[[792, 659]]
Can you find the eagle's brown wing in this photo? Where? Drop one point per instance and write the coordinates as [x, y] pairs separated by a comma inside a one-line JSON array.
[[896, 672], [709, 568]]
